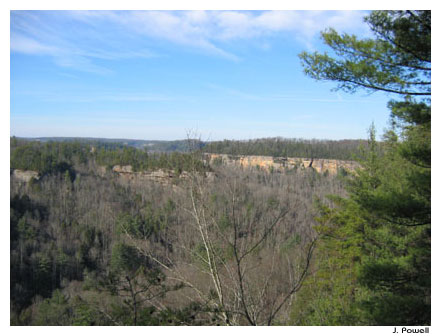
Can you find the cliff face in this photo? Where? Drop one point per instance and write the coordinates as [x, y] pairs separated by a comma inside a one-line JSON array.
[[25, 175], [127, 174], [163, 176], [265, 163], [269, 163]]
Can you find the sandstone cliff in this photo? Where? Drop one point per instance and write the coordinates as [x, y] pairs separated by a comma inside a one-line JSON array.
[[269, 163], [163, 176], [25, 175], [265, 163]]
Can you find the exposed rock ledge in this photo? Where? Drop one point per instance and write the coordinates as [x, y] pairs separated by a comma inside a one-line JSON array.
[[162, 176], [25, 175], [269, 163]]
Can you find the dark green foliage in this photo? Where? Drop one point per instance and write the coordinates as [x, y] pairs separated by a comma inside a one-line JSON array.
[[330, 295], [59, 157], [136, 283], [126, 258], [397, 61], [383, 227], [30, 270], [54, 311], [159, 146], [51, 157], [141, 160]]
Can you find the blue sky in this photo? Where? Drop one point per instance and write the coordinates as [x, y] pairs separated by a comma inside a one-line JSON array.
[[159, 74]]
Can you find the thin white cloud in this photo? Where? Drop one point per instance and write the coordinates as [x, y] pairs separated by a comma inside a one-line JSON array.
[[76, 47], [74, 38], [80, 63], [191, 27], [62, 57], [278, 20], [25, 45]]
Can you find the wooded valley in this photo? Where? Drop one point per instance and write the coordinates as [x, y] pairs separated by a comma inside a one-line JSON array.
[[110, 234], [94, 248]]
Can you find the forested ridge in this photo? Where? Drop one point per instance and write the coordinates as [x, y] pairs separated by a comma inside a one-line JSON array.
[[297, 148], [276, 147], [52, 156], [150, 145], [245, 246]]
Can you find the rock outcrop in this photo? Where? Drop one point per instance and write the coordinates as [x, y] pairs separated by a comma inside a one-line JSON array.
[[25, 175], [122, 169], [265, 163], [269, 163], [162, 176]]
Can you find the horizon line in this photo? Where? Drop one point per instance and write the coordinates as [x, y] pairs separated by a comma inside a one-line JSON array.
[[185, 139]]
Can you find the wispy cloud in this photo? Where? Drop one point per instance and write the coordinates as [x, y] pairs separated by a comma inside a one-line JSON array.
[[63, 57], [207, 29], [70, 44], [26, 45], [190, 29], [76, 39]]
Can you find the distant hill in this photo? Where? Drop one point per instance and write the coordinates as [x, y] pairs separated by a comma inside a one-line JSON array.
[[150, 145]]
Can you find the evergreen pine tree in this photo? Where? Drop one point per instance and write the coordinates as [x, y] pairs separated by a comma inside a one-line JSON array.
[[384, 224]]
